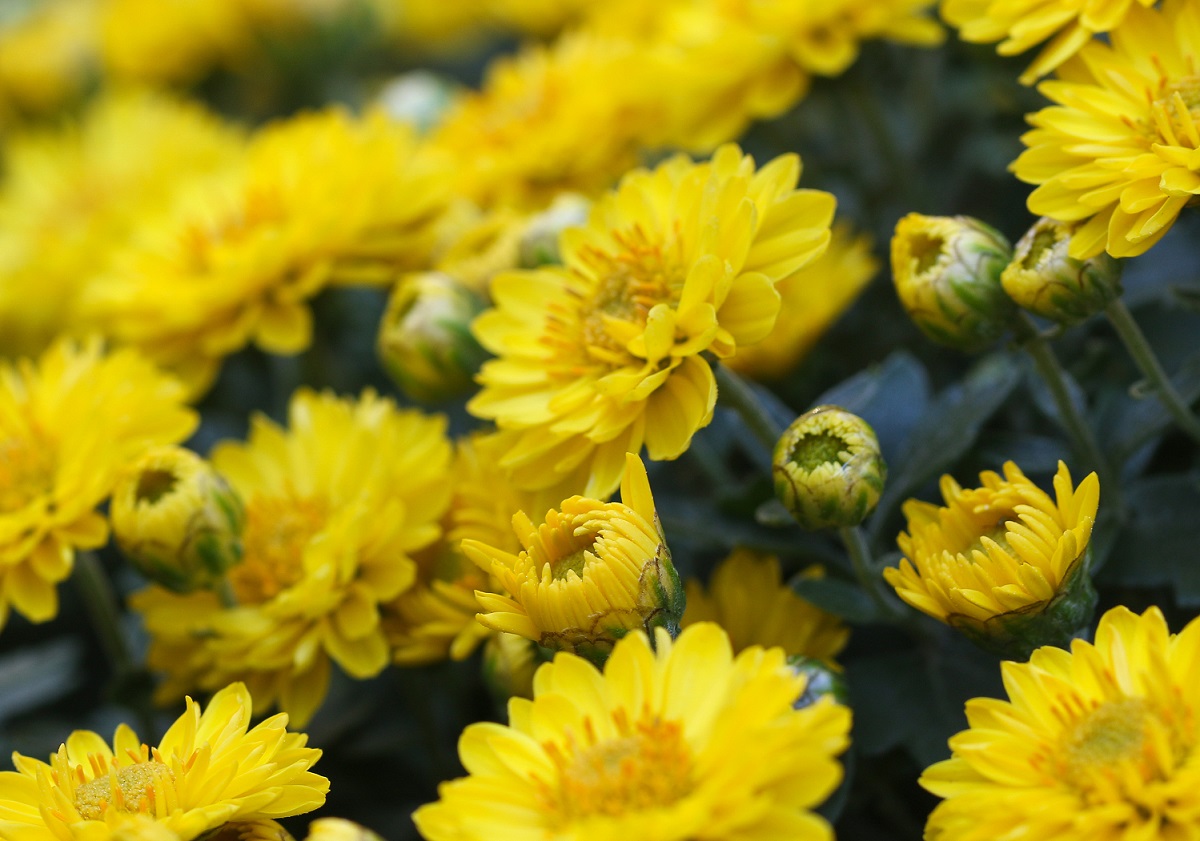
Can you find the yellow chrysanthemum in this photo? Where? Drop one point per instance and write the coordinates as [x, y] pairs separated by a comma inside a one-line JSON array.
[[682, 742], [996, 555], [68, 424], [747, 597], [1020, 25], [335, 508], [436, 617], [46, 54], [1120, 151], [322, 198], [209, 769], [812, 299], [589, 574], [1096, 743], [71, 196], [548, 120], [603, 354]]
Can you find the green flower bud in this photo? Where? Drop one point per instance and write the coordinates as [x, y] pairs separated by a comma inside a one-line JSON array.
[[425, 340], [1043, 279], [539, 242], [828, 470], [823, 681], [947, 275], [177, 520], [509, 662]]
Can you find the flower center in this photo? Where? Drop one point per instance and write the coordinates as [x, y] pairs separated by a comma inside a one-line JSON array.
[[648, 766], [26, 472], [926, 249], [1113, 744], [629, 284], [278, 529], [134, 788], [812, 451], [1176, 112]]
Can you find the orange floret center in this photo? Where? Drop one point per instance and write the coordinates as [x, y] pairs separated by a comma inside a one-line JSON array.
[[278, 529], [134, 788]]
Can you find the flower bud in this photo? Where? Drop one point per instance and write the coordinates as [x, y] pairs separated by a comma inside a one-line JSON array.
[[509, 662], [1003, 563], [947, 274], [419, 98], [425, 340], [339, 829], [1043, 279], [539, 242], [259, 830], [588, 575], [828, 470], [823, 681], [177, 520]]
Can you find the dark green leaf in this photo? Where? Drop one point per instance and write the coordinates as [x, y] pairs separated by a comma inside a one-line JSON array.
[[838, 597]]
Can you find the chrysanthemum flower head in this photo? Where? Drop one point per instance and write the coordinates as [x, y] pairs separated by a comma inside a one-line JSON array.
[[69, 423], [748, 598], [72, 196], [46, 53], [209, 769], [589, 574], [319, 199], [812, 299], [603, 354], [336, 507], [1004, 563], [551, 119], [1020, 26], [1098, 742], [1119, 151], [679, 742]]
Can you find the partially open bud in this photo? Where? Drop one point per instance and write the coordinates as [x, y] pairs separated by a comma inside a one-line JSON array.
[[947, 275], [587, 576], [177, 520], [823, 681], [425, 340], [1043, 279], [539, 242], [1003, 563], [828, 469], [419, 98], [509, 662], [260, 830]]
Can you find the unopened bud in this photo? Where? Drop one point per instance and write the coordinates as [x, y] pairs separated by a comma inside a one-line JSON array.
[[539, 242], [177, 520], [425, 340], [419, 98], [509, 662], [339, 829], [828, 469], [947, 275], [823, 681], [1043, 279]]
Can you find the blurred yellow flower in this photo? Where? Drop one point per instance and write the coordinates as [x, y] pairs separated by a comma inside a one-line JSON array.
[[336, 507], [603, 354], [747, 597], [69, 423], [683, 741], [812, 299], [1019, 26], [322, 198], [996, 556], [210, 768], [70, 197], [47, 51], [435, 618], [1096, 743], [339, 829], [587, 575], [1118, 150], [560, 118]]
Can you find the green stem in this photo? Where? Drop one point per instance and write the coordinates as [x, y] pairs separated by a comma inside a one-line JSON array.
[[864, 570], [736, 393], [1143, 355], [1055, 377], [225, 594], [100, 602]]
